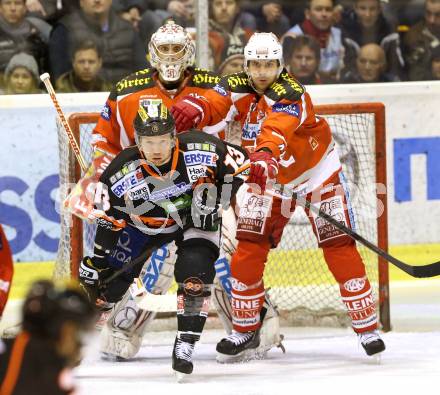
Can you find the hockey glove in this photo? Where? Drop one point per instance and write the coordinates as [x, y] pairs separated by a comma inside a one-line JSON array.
[[264, 167], [187, 113], [92, 271]]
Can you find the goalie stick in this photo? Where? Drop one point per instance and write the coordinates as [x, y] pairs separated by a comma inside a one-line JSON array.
[[73, 143], [424, 271]]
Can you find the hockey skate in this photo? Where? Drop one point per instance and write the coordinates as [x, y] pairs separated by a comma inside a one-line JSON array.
[[238, 347], [182, 354], [371, 342]]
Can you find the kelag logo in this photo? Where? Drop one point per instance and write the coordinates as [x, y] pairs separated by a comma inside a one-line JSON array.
[[403, 150]]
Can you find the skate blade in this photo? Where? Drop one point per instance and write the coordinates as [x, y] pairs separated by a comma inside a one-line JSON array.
[[112, 357], [375, 359], [244, 356], [180, 377]]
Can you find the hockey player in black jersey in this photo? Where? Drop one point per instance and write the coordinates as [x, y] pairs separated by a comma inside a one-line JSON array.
[[166, 187]]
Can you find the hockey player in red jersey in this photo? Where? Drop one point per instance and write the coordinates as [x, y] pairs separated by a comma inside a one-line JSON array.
[[292, 151], [6, 270]]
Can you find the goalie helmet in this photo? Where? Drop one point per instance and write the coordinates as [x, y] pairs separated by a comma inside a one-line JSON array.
[[171, 66], [153, 119], [47, 307], [263, 46]]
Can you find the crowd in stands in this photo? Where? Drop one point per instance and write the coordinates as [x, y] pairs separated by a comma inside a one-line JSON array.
[[88, 45]]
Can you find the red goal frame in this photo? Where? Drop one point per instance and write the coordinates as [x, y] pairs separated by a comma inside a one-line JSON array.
[[378, 109]]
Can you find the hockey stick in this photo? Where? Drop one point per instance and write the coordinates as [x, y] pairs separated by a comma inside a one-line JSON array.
[[145, 254], [424, 271], [73, 143]]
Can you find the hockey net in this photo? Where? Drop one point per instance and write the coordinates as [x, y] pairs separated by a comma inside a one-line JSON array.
[[300, 283]]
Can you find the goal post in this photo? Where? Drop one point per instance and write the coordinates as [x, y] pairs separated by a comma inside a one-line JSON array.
[[300, 283]]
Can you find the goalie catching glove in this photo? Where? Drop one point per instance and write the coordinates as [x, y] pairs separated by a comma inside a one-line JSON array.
[[263, 168], [187, 113]]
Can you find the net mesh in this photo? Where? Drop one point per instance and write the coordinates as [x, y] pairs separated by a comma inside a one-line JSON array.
[[300, 283]]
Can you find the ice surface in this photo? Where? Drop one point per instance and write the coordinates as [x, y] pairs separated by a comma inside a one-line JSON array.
[[318, 360], [325, 360]]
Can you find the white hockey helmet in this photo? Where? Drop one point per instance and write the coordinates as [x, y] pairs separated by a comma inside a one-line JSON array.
[[263, 46], [171, 66]]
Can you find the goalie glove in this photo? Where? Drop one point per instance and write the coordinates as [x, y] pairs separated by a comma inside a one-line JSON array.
[[263, 168], [187, 113]]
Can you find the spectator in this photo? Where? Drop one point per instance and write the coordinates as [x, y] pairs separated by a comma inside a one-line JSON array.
[[270, 16], [226, 36], [130, 10], [368, 25], [228, 16], [158, 11], [304, 60], [123, 50], [370, 66], [21, 75], [86, 64], [232, 64], [433, 72], [51, 10], [319, 24], [422, 39], [19, 33]]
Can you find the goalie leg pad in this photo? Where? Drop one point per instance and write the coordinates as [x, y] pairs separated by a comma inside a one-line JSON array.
[[122, 335], [222, 305], [222, 282], [270, 330]]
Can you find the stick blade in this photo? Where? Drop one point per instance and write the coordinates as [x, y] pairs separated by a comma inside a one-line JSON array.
[[427, 271]]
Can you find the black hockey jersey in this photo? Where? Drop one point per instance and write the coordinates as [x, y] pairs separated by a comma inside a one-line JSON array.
[[157, 200]]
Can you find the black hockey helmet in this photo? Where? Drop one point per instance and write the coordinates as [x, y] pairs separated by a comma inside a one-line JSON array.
[[47, 307], [153, 120]]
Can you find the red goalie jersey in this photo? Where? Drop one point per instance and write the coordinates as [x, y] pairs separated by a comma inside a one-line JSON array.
[[283, 120], [114, 130]]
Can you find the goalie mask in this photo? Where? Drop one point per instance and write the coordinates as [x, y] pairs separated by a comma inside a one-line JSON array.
[[155, 132], [171, 51]]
